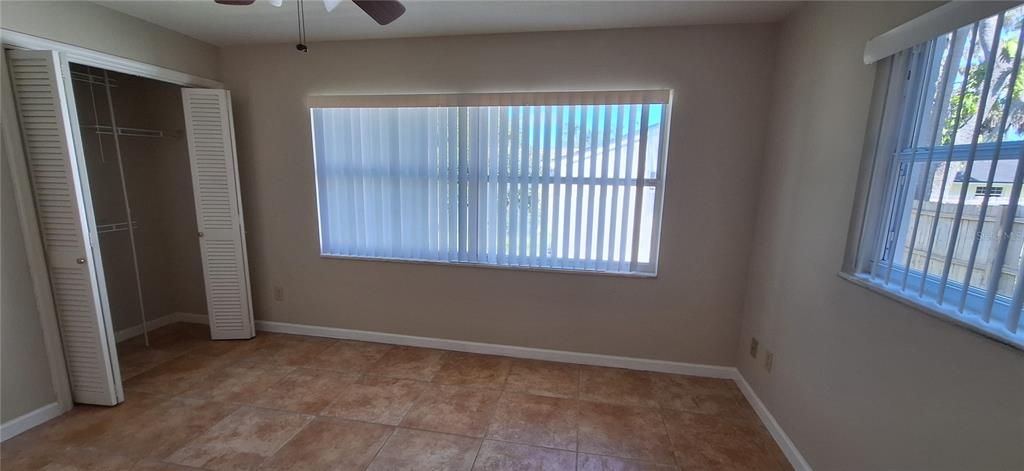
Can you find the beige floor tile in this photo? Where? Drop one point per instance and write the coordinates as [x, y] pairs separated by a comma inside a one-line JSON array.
[[165, 427], [544, 378], [624, 432], [375, 399], [535, 420], [96, 426], [241, 382], [154, 465], [237, 349], [702, 424], [289, 350], [617, 386], [137, 361], [69, 459], [331, 444], [349, 356], [420, 364], [304, 390], [417, 450], [711, 442], [471, 369], [453, 409], [178, 375], [242, 440], [607, 463], [695, 394], [503, 456]]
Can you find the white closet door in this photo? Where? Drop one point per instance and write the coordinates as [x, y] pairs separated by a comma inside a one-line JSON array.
[[211, 148], [57, 184]]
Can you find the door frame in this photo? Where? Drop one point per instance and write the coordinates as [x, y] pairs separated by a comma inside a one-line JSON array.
[[26, 201]]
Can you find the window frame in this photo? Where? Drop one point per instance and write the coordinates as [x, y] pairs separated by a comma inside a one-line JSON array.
[[658, 183], [875, 212]]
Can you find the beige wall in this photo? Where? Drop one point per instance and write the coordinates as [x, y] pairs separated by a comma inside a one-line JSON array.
[[859, 382], [94, 27], [25, 383], [721, 76]]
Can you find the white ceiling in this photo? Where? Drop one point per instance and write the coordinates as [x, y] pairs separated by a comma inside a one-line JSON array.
[[263, 23]]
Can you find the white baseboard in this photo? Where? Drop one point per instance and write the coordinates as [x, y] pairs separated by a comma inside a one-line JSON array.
[[17, 425], [151, 325], [503, 350], [710, 371], [788, 448]]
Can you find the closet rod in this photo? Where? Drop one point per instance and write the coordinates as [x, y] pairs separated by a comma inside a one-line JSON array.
[[127, 208], [123, 131]]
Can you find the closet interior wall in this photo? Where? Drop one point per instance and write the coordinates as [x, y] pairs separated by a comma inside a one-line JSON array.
[[154, 154]]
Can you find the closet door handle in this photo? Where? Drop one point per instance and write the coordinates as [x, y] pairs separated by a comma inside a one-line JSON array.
[[200, 234], [80, 260]]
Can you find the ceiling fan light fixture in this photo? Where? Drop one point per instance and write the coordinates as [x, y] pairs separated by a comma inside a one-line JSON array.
[[330, 5]]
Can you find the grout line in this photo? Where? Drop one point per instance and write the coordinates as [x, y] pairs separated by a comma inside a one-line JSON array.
[[381, 448]]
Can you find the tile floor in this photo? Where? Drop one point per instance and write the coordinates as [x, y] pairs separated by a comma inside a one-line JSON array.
[[291, 402]]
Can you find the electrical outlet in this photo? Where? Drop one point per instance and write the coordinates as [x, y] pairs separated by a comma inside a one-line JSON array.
[[278, 293], [769, 357], [753, 347]]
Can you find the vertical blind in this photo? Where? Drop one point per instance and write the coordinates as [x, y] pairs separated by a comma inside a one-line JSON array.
[[953, 230], [566, 181]]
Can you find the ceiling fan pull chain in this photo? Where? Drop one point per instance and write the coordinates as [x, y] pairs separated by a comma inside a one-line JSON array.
[[301, 13]]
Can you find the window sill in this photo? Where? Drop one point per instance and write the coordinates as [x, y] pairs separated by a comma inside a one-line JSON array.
[[934, 310], [563, 271]]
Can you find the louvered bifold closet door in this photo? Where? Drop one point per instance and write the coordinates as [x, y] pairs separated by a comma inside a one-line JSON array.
[[211, 146], [57, 184]]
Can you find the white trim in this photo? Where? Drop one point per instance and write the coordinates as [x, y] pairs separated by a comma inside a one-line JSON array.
[[151, 325], [693, 369], [936, 22], [33, 244], [23, 423], [81, 55], [796, 459]]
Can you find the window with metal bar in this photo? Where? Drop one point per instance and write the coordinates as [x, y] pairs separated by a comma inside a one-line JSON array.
[[569, 181], [951, 231]]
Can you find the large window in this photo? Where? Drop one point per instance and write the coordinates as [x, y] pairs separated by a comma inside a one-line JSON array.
[[949, 229], [569, 181]]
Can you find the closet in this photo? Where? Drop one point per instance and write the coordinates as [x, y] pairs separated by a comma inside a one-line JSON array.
[[141, 189], [135, 187]]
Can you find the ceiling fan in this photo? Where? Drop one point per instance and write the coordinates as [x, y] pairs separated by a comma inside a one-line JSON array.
[[382, 11]]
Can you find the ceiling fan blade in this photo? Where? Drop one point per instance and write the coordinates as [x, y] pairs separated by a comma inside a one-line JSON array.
[[382, 11], [235, 2]]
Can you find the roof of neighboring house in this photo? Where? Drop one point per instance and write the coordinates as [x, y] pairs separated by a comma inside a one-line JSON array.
[[1005, 171]]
